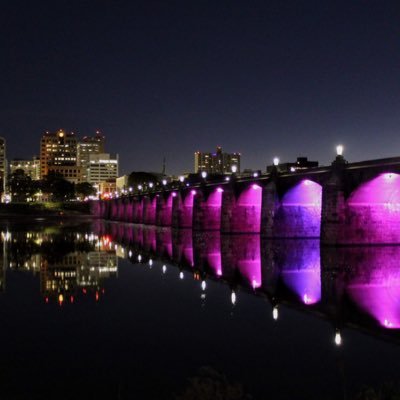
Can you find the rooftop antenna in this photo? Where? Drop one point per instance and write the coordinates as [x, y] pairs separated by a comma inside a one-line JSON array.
[[163, 168]]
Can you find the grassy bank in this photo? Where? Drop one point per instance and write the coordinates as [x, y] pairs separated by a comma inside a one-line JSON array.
[[45, 209]]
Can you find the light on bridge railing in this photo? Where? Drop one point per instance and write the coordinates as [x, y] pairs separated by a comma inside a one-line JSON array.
[[234, 169], [151, 184], [276, 161], [164, 182], [275, 313], [140, 187], [204, 174], [339, 150], [181, 179]]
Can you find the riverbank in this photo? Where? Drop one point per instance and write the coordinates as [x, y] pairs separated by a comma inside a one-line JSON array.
[[53, 210]]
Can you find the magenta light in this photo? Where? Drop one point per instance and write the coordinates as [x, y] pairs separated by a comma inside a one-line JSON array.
[[193, 192], [301, 271], [307, 193], [256, 187], [173, 194], [220, 190], [376, 290]]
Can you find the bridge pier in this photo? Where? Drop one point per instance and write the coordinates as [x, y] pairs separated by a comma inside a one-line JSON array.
[[207, 209], [149, 210], [164, 209]]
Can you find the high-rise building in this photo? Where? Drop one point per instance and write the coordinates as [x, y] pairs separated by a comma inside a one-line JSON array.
[[31, 168], [88, 146], [3, 164], [102, 167], [216, 163], [57, 149]]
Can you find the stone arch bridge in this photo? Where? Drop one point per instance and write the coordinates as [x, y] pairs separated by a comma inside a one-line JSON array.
[[342, 204]]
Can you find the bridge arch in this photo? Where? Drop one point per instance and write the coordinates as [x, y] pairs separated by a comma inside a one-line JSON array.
[[299, 211], [373, 210], [245, 213], [207, 209]]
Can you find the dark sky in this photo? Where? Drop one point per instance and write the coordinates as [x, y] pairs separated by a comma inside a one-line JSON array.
[[159, 78]]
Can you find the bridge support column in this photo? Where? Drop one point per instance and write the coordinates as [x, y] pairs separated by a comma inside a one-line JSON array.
[[227, 210], [207, 210], [333, 213], [269, 206], [176, 211], [137, 210], [164, 210]]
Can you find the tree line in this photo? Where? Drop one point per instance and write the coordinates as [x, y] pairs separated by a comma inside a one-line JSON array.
[[53, 187]]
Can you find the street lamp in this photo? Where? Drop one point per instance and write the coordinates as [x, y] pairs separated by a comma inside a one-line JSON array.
[[276, 161], [204, 174], [339, 150]]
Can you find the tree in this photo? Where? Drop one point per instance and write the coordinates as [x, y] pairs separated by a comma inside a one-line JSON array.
[[141, 178], [84, 189], [57, 187], [21, 186]]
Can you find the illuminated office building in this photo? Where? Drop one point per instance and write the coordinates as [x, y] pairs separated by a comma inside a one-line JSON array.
[[102, 168], [216, 163], [89, 145], [31, 168], [57, 149]]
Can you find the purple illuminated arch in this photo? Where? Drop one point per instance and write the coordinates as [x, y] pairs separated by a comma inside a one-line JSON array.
[[299, 214], [211, 210], [186, 218], [374, 209], [246, 217]]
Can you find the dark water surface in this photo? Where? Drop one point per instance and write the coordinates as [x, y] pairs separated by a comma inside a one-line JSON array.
[[81, 317]]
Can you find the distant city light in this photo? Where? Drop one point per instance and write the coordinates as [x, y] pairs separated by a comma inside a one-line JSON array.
[[181, 179], [164, 182], [255, 175], [276, 161], [140, 187], [204, 174], [151, 184], [227, 178], [130, 189], [339, 150], [220, 190]]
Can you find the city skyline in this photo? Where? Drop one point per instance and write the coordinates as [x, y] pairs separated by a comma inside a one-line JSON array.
[[165, 80]]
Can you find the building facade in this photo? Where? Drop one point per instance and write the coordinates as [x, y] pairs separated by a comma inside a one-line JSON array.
[[31, 168], [87, 146], [57, 149], [216, 163], [3, 164], [102, 167]]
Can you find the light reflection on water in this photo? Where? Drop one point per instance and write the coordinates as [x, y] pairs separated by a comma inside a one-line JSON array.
[[355, 288], [297, 272]]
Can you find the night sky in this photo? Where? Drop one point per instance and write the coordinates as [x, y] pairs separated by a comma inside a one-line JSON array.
[[157, 78]]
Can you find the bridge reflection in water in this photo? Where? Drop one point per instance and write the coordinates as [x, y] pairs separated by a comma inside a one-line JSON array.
[[350, 286]]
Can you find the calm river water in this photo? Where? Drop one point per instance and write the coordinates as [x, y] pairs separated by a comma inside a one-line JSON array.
[[98, 310]]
